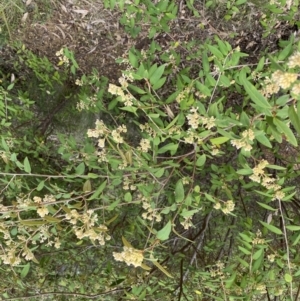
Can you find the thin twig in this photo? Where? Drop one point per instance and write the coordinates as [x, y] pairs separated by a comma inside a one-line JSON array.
[[287, 247], [206, 221]]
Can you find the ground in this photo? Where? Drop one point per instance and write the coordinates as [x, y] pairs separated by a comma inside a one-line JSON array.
[[97, 38]]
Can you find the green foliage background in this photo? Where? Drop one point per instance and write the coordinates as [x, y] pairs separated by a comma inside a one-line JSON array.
[[191, 176]]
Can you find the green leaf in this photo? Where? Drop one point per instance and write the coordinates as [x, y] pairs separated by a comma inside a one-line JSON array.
[[274, 62], [284, 128], [258, 263], [266, 206], [159, 83], [113, 205], [188, 213], [215, 52], [14, 231], [243, 262], [159, 173], [10, 86], [288, 278], [157, 74], [245, 237], [98, 191], [205, 62], [128, 197], [219, 140], [258, 98], [293, 227], [25, 270], [164, 233], [229, 281], [276, 167], [136, 89], [294, 117], [271, 228], [87, 186], [40, 186], [224, 81], [209, 197], [92, 175], [4, 145], [285, 52], [261, 138], [244, 119], [130, 109], [73, 69], [133, 59], [51, 219], [169, 147], [179, 192], [258, 253], [152, 69], [295, 242], [245, 171], [202, 88], [297, 273], [79, 170], [126, 243], [27, 166], [245, 251], [158, 265], [261, 64], [145, 267], [201, 160], [32, 223]]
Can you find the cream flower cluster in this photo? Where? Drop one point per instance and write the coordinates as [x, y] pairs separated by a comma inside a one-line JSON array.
[[89, 102], [62, 58], [284, 79], [217, 270], [42, 211], [148, 129], [99, 131], [261, 177], [89, 228], [208, 122], [11, 258], [116, 134], [128, 185], [150, 214], [269, 88], [296, 89], [144, 145], [258, 240], [184, 94], [193, 118], [191, 137], [130, 256], [127, 97], [294, 60], [258, 171], [246, 140], [261, 288], [226, 207], [187, 222]]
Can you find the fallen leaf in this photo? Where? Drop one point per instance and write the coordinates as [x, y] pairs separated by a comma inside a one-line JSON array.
[[84, 12]]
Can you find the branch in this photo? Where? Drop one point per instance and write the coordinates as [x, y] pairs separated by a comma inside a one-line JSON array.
[[86, 296]]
